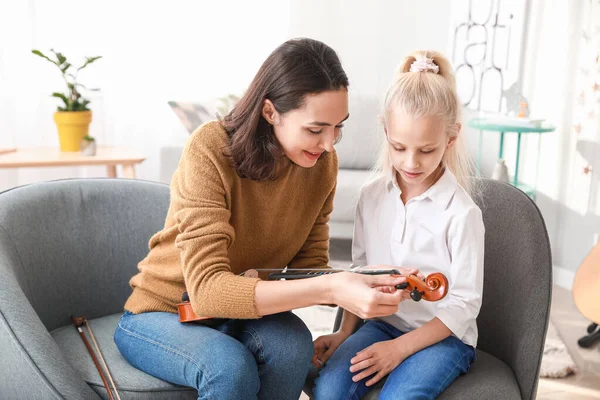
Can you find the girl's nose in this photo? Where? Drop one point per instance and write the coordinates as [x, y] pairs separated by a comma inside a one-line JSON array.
[[412, 161]]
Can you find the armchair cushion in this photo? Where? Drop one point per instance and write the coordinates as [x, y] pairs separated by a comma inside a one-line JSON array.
[[131, 383]]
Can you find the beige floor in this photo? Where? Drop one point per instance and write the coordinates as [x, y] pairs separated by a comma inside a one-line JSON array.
[[571, 325]]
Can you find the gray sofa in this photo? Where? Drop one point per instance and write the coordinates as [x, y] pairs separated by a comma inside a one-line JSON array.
[[69, 248]]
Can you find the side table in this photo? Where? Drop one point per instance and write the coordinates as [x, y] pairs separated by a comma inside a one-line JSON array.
[[53, 157], [484, 125]]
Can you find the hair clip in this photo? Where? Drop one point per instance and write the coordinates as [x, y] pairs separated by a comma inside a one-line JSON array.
[[424, 64]]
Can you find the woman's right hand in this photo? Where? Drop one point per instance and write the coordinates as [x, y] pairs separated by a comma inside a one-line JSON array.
[[367, 296]]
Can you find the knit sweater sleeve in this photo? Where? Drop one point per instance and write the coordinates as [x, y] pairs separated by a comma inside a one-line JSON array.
[[198, 193]]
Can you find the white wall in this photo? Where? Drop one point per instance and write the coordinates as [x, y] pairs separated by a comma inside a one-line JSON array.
[[153, 52], [373, 37], [185, 50]]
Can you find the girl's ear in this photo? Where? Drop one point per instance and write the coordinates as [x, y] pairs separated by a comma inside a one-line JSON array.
[[451, 141], [269, 112], [452, 138]]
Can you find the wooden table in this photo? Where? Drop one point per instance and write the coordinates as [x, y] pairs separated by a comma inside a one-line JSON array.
[[53, 157], [6, 150]]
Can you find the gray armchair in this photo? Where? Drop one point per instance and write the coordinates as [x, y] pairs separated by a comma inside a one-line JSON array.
[[70, 247], [516, 301]]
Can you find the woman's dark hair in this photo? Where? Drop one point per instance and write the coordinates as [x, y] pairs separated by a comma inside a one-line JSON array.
[[295, 69]]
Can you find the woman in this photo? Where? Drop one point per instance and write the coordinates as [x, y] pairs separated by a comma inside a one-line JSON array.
[[253, 190]]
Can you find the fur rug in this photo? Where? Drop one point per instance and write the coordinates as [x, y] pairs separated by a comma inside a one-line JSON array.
[[556, 361]]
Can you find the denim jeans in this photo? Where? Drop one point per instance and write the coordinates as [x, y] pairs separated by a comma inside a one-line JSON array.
[[266, 358], [424, 375]]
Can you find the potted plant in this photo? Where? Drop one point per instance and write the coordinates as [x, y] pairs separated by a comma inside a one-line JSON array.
[[73, 117], [88, 146]]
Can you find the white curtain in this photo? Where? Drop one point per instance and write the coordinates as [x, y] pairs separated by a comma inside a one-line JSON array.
[[561, 67]]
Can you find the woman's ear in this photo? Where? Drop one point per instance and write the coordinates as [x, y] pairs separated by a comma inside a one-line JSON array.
[[269, 112]]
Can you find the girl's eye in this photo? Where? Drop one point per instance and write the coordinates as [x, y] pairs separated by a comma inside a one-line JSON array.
[[398, 149], [315, 132], [426, 151]]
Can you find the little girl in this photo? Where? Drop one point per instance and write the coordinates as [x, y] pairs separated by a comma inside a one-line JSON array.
[[418, 214]]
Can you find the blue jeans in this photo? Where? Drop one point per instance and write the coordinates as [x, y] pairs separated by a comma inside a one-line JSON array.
[[266, 358], [424, 375]]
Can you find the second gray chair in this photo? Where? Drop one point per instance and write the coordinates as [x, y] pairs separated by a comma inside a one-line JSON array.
[[516, 301]]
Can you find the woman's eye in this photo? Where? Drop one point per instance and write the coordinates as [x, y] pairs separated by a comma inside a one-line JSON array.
[[338, 136], [398, 149], [315, 132], [426, 151]]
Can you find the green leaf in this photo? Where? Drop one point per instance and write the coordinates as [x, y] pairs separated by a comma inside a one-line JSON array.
[[65, 67], [59, 57], [79, 105], [86, 88], [89, 60], [39, 53], [62, 97]]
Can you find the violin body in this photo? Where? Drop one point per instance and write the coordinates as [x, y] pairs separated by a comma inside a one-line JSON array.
[[433, 288], [186, 314]]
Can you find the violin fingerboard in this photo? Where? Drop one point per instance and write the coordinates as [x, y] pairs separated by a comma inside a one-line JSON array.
[[295, 275]]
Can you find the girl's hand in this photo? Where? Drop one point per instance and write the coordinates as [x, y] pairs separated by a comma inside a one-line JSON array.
[[366, 296], [380, 358], [325, 346]]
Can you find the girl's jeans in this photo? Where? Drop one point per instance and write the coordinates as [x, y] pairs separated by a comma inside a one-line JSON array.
[[424, 375]]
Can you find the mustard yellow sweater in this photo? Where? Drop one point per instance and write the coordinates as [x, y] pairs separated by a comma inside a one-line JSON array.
[[219, 225]]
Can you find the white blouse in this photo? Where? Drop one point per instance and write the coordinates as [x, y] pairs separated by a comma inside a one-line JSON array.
[[440, 230]]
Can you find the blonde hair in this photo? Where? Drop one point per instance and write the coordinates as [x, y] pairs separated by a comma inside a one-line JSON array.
[[425, 93]]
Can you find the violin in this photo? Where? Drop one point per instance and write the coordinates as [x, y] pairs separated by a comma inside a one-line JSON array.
[[433, 288]]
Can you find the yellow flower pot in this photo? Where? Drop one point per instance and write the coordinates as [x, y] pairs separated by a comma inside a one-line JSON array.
[[72, 127]]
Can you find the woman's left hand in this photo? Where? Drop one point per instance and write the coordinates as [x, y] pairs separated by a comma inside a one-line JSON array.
[[380, 358]]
